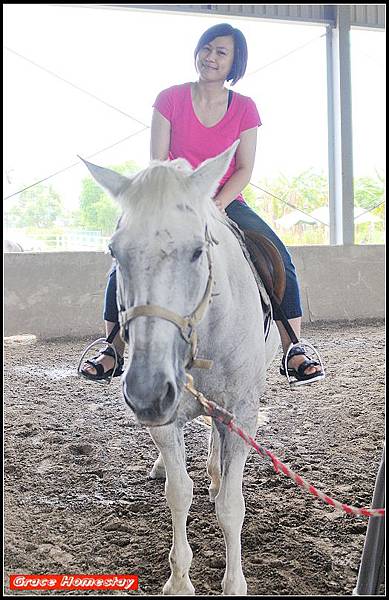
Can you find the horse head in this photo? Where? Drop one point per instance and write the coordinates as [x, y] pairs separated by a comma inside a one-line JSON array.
[[164, 275]]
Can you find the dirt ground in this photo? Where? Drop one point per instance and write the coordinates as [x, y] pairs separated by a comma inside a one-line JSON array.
[[78, 499]]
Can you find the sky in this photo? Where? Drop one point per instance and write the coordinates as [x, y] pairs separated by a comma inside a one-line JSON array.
[[125, 57]]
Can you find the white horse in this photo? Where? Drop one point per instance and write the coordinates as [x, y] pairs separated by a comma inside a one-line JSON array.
[[173, 252]]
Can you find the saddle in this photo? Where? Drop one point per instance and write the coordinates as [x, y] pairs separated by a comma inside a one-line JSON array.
[[267, 262], [267, 267]]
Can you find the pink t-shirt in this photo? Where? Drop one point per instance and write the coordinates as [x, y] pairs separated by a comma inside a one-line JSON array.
[[190, 139]]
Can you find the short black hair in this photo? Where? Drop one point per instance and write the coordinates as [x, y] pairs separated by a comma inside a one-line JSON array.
[[239, 65]]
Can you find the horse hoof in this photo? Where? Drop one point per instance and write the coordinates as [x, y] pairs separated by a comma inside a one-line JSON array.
[[235, 587], [182, 588]]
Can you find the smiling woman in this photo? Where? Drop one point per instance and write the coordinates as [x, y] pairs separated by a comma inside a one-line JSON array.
[[224, 49], [218, 57]]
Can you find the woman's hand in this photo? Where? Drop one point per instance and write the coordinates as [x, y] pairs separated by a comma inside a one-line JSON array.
[[220, 206]]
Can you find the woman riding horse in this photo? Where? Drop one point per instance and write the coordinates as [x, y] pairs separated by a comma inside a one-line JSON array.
[[196, 121]]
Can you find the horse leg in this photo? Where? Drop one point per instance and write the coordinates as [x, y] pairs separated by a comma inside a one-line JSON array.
[[179, 493], [230, 510], [158, 471], [213, 463]]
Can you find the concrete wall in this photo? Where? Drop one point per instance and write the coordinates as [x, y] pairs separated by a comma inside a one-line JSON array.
[[60, 294]]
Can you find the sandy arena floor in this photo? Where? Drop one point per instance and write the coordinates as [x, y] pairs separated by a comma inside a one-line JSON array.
[[78, 500]]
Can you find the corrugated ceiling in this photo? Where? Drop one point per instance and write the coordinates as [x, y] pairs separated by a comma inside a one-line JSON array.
[[361, 15]]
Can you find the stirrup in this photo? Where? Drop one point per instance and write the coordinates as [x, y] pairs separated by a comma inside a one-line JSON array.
[[297, 377], [106, 379]]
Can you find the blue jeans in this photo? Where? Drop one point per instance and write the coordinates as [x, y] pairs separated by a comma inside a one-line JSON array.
[[245, 218]]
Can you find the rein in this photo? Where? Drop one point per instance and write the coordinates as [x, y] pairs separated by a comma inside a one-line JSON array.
[[186, 325]]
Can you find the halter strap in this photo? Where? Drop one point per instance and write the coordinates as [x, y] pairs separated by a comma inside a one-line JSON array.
[[153, 310], [187, 324]]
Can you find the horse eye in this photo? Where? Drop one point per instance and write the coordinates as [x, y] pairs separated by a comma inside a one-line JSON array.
[[111, 251], [196, 255]]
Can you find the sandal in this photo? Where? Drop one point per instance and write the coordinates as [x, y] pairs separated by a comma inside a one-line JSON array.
[[299, 376], [100, 373]]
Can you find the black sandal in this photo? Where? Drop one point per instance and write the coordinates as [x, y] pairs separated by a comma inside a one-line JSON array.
[[100, 373], [299, 376]]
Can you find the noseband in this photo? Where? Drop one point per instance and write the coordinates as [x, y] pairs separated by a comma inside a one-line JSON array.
[[186, 325]]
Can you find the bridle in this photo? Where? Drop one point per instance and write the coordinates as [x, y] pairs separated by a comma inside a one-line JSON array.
[[186, 325]]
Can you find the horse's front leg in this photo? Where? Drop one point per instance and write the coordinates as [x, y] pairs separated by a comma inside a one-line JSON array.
[[169, 440], [230, 510]]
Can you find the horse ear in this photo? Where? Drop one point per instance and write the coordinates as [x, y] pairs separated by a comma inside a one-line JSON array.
[[208, 175], [112, 182]]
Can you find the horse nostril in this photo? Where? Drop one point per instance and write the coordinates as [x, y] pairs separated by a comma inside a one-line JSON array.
[[167, 400], [154, 405]]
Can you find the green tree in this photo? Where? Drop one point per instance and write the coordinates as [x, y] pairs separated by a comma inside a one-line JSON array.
[[98, 211], [306, 191], [273, 198], [369, 193], [40, 206]]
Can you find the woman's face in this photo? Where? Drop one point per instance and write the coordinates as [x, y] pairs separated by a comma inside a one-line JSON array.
[[215, 59]]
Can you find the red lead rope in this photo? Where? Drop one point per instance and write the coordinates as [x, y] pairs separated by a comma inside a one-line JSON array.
[[351, 510], [222, 415]]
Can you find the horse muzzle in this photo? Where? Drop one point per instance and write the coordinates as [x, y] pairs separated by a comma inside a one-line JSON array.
[[153, 405]]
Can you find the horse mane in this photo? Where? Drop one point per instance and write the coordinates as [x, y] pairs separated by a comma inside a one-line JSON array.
[[161, 186]]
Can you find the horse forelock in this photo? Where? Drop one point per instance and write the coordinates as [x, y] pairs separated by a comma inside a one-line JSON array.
[[162, 188]]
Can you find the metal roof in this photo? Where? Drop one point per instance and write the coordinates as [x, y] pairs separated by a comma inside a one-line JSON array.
[[361, 15]]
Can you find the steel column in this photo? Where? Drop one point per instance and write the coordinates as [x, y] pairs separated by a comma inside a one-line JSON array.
[[340, 152]]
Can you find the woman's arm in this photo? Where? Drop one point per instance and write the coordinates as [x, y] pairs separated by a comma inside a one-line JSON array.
[[245, 158], [160, 137]]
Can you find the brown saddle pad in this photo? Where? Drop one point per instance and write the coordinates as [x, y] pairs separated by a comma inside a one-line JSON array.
[[268, 263]]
